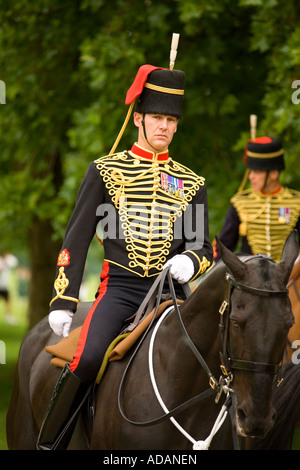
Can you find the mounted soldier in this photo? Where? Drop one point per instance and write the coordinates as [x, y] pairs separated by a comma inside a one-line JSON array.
[[149, 193], [262, 217]]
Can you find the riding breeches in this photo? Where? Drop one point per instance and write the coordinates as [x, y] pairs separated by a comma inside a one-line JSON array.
[[119, 297]]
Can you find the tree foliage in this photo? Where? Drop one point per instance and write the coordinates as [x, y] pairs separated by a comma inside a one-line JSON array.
[[67, 66]]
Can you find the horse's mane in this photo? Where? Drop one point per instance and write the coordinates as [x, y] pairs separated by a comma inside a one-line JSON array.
[[287, 404]]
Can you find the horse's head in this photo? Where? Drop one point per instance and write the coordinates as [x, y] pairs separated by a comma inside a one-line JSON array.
[[259, 318]]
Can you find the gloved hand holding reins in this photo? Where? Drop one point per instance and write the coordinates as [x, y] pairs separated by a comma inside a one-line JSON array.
[[181, 268]]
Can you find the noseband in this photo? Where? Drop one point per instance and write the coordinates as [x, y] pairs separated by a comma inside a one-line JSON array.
[[228, 363]]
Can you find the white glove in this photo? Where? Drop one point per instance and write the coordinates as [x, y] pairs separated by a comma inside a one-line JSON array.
[[60, 321], [181, 268]]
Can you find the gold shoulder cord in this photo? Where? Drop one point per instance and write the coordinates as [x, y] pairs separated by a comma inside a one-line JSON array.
[[60, 285], [118, 178], [245, 219]]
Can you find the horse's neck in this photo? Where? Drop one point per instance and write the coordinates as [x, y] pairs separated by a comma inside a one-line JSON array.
[[200, 316], [208, 296], [200, 312]]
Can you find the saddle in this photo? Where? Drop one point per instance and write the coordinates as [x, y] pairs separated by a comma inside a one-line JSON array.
[[150, 309], [64, 350]]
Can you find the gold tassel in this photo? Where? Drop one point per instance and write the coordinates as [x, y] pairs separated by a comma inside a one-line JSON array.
[[243, 224], [253, 124], [243, 229]]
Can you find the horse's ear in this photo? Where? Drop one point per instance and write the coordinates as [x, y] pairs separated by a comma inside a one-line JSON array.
[[236, 266], [289, 254]]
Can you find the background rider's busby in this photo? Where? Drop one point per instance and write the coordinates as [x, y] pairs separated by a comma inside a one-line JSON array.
[[265, 154]]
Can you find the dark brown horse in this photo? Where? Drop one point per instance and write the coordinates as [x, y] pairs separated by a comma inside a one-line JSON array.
[[255, 320]]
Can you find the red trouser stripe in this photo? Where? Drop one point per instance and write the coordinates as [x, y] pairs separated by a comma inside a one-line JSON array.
[[87, 321]]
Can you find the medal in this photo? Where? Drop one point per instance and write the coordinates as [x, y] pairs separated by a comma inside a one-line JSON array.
[[284, 215], [172, 185]]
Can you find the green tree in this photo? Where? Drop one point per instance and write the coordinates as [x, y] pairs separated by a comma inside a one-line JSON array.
[[67, 66], [40, 55]]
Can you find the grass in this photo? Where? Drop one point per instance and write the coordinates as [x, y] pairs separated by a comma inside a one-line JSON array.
[[296, 440]]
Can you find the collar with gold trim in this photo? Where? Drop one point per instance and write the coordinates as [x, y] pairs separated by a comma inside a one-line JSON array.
[[140, 152]]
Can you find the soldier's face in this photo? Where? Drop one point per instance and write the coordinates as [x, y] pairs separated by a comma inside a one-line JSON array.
[[263, 180], [160, 130]]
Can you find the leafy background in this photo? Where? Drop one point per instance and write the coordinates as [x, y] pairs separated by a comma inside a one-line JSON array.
[[67, 66]]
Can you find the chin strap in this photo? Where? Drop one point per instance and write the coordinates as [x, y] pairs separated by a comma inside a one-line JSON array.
[[266, 180], [144, 127], [145, 134]]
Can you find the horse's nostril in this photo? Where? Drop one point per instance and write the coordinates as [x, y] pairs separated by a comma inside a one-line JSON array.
[[254, 427], [241, 415]]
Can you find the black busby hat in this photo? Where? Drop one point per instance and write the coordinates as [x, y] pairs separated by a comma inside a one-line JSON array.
[[265, 154], [162, 93]]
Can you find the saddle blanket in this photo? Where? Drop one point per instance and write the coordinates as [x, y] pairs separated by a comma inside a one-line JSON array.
[[65, 349]]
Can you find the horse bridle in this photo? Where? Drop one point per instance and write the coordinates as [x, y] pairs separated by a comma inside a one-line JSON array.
[[229, 363]]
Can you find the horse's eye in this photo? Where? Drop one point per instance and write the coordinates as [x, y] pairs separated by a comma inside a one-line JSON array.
[[240, 306], [235, 323]]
